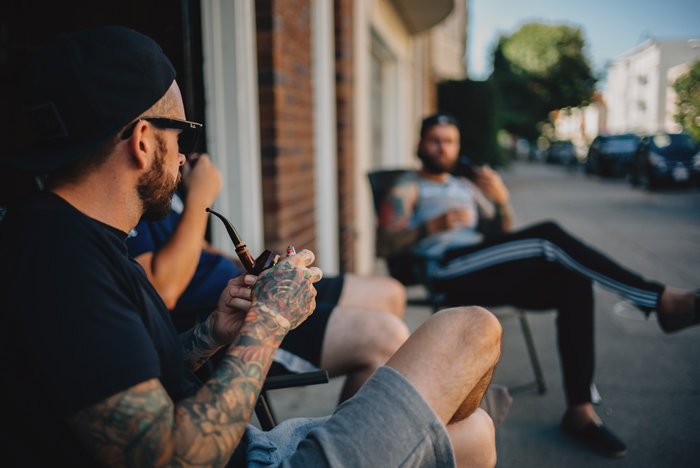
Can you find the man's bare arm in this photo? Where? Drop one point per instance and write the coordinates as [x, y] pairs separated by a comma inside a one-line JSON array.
[[491, 185], [142, 427]]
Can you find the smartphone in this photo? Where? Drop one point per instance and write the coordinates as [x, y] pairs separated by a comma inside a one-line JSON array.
[[465, 168]]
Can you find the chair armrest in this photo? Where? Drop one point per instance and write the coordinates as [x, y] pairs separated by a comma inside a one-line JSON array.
[[296, 380]]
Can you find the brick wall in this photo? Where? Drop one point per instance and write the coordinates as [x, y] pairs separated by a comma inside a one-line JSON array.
[[286, 122], [344, 115]]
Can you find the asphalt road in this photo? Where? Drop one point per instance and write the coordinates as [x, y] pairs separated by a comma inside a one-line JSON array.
[[649, 381]]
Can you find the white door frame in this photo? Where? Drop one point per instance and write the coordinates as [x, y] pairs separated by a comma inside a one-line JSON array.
[[232, 130]]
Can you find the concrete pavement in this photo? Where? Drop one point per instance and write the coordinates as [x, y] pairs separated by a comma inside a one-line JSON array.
[[649, 381]]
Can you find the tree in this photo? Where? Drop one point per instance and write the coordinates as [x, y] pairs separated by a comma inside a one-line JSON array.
[[687, 88], [538, 69]]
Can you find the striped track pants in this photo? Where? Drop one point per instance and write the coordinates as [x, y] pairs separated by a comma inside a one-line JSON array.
[[543, 267]]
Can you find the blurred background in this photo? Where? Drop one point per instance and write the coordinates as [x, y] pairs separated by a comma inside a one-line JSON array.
[[302, 98]]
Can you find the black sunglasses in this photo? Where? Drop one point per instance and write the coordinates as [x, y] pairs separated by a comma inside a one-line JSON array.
[[186, 140]]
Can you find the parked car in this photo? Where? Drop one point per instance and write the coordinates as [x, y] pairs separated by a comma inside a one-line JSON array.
[[611, 155], [561, 152], [538, 149], [665, 158]]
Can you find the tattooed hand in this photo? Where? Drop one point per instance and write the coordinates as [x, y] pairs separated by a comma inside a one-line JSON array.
[[287, 289]]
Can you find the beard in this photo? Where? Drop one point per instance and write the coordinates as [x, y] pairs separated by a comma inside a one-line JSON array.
[[155, 190], [431, 166]]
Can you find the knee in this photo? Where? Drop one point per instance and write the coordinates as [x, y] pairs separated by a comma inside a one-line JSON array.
[[473, 324], [486, 436], [395, 293], [389, 295], [474, 441], [476, 319], [374, 293], [382, 335], [390, 334]]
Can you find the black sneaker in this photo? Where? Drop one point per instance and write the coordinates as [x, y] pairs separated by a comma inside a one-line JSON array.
[[598, 438]]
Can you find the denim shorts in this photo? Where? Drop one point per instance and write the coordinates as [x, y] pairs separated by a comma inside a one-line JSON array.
[[387, 423]]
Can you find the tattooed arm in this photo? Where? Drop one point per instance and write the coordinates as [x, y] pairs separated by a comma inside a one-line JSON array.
[[395, 213], [142, 427]]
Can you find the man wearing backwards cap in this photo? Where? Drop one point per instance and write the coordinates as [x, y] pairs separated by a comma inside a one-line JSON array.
[[93, 372], [436, 221]]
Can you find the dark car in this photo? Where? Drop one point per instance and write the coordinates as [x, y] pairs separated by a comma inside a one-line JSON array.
[[666, 158], [611, 155], [561, 152]]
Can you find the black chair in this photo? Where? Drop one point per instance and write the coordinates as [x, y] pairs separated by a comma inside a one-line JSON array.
[[409, 271], [185, 318]]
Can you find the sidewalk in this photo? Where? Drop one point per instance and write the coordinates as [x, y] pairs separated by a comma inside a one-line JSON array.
[[649, 382]]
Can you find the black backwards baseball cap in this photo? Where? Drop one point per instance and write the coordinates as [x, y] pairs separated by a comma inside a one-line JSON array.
[[83, 88], [441, 118]]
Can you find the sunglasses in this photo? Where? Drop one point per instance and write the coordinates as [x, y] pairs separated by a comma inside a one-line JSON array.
[[186, 140]]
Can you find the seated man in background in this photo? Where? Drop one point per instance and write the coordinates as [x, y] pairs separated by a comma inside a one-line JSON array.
[[358, 322], [90, 363], [438, 219]]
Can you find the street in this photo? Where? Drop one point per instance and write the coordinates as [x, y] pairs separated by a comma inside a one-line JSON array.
[[649, 382]]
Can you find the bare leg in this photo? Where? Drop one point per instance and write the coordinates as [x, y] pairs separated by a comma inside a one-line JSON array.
[[357, 342], [450, 358], [474, 441], [374, 293]]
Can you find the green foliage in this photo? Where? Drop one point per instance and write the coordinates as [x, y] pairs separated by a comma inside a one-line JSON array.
[[688, 90], [536, 70]]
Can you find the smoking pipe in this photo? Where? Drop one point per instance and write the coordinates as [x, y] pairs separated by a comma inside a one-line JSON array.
[[266, 260]]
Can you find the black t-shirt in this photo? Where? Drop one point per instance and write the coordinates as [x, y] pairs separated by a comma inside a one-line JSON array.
[[80, 322]]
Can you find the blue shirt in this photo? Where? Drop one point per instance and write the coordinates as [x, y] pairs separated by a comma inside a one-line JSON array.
[[213, 270]]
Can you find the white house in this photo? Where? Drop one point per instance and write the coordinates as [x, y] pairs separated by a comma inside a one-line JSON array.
[[637, 93]]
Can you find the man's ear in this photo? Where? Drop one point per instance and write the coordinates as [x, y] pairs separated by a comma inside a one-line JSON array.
[[142, 145]]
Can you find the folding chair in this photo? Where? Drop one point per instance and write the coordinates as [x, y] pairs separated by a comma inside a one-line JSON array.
[[409, 271]]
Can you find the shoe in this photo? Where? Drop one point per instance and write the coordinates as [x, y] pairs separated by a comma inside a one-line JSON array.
[[674, 322], [598, 438]]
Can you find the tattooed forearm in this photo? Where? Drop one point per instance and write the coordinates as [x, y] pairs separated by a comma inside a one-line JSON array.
[[198, 345], [211, 423], [394, 234], [142, 427]]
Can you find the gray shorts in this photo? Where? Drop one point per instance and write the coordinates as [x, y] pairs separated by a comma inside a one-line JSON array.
[[387, 423]]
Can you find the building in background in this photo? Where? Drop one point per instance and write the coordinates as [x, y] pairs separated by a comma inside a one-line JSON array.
[[342, 88], [638, 90], [299, 100]]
